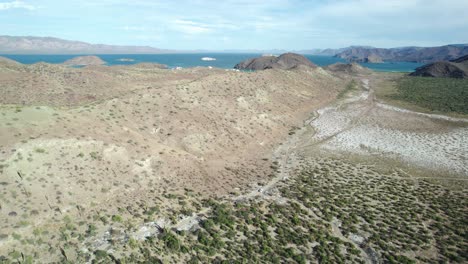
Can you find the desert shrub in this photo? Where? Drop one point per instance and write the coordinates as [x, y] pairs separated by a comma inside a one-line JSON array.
[[435, 94]]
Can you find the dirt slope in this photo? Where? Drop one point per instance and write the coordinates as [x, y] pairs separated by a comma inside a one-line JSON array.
[[73, 138]]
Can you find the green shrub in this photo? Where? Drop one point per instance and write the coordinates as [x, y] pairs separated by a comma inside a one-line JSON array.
[[435, 94]]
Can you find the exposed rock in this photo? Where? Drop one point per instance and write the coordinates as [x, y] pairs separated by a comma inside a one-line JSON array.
[[457, 68], [260, 63], [85, 60], [286, 61], [350, 68]]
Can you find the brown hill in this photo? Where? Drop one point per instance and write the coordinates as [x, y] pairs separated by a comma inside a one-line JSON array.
[[463, 60], [286, 61], [85, 60], [349, 68], [110, 133], [457, 68], [9, 64], [4, 60]]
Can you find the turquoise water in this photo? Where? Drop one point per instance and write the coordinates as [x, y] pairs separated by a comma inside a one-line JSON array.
[[223, 60]]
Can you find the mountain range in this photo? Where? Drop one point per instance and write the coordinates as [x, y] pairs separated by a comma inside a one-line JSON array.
[[408, 54], [50, 45]]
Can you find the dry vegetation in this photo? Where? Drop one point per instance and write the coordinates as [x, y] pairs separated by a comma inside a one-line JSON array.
[[129, 164], [331, 211], [77, 138]]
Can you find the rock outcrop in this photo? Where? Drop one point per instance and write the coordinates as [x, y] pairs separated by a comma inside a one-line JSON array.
[[286, 61], [84, 61], [457, 68]]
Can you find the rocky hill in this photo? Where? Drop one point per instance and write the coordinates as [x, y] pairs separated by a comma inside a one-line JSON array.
[[286, 61], [48, 45], [457, 68], [85, 60], [409, 54], [463, 60]]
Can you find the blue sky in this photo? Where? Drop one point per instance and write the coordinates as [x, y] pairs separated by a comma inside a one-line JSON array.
[[242, 24]]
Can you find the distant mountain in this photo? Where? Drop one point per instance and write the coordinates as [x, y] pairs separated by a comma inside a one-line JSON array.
[[322, 52], [49, 45], [286, 61], [250, 51], [457, 68], [328, 52], [408, 54]]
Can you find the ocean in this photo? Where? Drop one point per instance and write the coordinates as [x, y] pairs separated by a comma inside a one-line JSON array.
[[223, 60]]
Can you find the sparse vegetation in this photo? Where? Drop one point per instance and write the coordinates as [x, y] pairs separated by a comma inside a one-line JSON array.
[[105, 177], [329, 214], [352, 85]]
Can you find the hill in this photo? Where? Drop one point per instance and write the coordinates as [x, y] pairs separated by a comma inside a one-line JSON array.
[[4, 60], [85, 60], [286, 61], [49, 45], [137, 164], [349, 68], [457, 68], [408, 54], [9, 64]]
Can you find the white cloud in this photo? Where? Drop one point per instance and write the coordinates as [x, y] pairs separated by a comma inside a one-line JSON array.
[[16, 4], [191, 27]]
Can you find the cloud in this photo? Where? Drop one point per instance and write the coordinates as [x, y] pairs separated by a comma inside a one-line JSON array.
[[291, 24], [16, 5], [191, 27]]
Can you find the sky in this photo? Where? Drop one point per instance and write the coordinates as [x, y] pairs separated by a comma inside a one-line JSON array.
[[241, 24]]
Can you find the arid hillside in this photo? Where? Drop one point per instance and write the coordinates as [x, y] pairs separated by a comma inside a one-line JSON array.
[[75, 138], [137, 163]]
